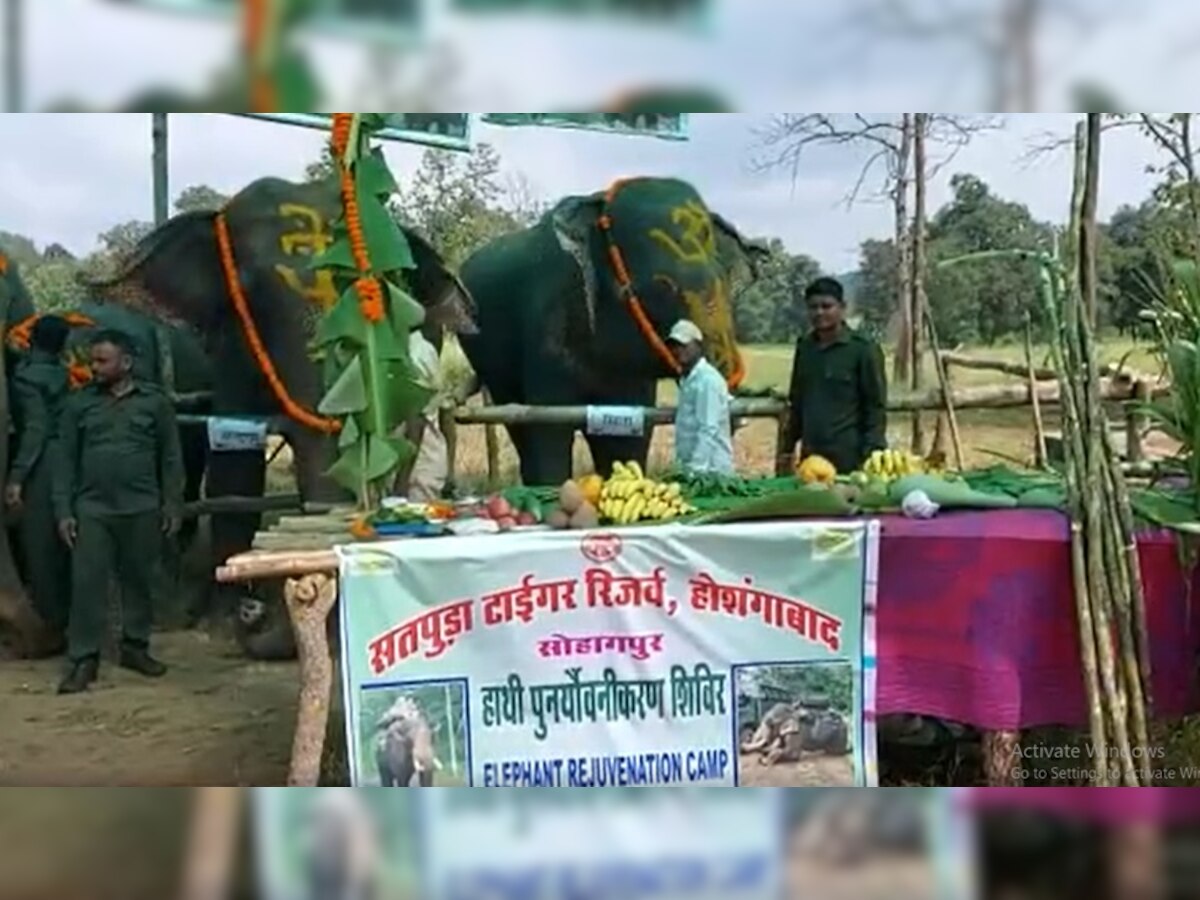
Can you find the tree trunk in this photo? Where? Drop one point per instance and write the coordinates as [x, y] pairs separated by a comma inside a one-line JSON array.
[[903, 256], [918, 299]]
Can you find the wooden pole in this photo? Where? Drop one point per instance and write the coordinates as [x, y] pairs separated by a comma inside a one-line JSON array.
[[901, 363], [919, 300], [947, 394], [158, 131], [492, 442], [211, 862], [310, 599], [1135, 423], [1088, 230], [14, 62], [1041, 458]]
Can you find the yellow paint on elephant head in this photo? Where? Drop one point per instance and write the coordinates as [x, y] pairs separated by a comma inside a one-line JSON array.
[[311, 237], [711, 311], [695, 242]]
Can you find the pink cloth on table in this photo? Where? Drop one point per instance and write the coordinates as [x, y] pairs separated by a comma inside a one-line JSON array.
[[976, 621]]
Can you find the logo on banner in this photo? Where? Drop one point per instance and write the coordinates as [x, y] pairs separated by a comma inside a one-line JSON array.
[[601, 548]]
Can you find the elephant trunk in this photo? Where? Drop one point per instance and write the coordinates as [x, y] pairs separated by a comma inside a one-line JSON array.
[[762, 739]]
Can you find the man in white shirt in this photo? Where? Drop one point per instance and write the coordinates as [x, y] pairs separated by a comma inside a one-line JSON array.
[[703, 433], [432, 465]]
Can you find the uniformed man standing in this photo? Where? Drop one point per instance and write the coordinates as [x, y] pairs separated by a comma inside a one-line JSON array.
[[39, 388], [118, 490], [838, 392]]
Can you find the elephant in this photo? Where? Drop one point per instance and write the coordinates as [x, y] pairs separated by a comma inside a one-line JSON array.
[[788, 731], [404, 746], [769, 729], [157, 348], [341, 847], [844, 827], [241, 277], [575, 310]]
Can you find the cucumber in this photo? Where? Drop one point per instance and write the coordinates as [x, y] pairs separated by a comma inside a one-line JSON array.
[[948, 494], [802, 502]]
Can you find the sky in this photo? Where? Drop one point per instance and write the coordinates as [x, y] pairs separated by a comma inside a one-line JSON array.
[[68, 177]]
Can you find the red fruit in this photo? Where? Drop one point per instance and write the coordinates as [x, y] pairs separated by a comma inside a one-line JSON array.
[[499, 508], [526, 518], [506, 523]]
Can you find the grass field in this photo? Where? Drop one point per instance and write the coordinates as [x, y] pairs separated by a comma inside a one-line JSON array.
[[1008, 432]]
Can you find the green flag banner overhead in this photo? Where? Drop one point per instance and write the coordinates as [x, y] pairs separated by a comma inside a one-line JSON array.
[[672, 126], [687, 12], [377, 20], [450, 131]]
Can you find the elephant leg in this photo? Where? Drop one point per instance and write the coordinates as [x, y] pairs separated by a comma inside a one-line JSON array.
[[193, 440], [546, 454], [233, 474]]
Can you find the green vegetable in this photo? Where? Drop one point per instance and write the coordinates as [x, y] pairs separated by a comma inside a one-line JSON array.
[[1043, 498], [948, 494], [796, 503]]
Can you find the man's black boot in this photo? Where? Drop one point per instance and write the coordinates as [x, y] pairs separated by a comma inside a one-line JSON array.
[[82, 673], [137, 659]]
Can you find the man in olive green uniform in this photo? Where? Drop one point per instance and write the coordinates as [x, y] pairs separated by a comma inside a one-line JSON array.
[[838, 393], [39, 388], [118, 489]]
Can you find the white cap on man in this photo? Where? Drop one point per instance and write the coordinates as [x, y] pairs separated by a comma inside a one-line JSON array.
[[686, 332]]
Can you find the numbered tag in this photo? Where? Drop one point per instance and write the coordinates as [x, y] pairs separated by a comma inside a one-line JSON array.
[[236, 434], [616, 421]]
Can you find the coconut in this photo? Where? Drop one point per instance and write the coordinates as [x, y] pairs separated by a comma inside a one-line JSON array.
[[570, 497], [585, 517], [558, 519]]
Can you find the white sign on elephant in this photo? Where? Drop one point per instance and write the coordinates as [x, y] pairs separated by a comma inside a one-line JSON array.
[[617, 421], [236, 434]]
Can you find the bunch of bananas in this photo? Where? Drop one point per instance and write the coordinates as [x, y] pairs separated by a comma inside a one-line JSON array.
[[629, 496], [890, 464]]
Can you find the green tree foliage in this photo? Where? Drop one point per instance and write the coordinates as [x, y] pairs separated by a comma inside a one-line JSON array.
[[200, 197], [876, 298], [771, 310]]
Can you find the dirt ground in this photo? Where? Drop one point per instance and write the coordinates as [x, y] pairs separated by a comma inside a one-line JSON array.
[[216, 718], [814, 771], [886, 878]]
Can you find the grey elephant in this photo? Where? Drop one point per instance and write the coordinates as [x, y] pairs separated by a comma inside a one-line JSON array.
[[341, 848], [241, 278], [575, 310], [404, 746], [844, 827], [790, 730]]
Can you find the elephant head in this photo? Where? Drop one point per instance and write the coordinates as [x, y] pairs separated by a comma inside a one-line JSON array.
[[247, 269], [341, 845], [650, 253], [404, 746]]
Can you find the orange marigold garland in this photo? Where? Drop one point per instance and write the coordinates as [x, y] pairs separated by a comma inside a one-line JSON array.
[[3, 264], [369, 292]]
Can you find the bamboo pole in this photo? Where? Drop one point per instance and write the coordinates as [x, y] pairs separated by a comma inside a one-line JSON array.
[[919, 298], [258, 564], [1041, 459], [947, 394]]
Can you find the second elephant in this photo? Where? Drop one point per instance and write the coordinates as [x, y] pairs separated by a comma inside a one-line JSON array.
[[575, 310]]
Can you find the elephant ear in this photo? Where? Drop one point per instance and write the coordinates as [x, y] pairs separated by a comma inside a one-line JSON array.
[[446, 299], [574, 221], [737, 251]]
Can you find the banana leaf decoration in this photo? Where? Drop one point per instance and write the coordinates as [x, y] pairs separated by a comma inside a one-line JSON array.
[[372, 385]]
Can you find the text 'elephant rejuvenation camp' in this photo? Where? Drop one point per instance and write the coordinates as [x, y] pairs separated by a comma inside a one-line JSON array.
[[650, 657]]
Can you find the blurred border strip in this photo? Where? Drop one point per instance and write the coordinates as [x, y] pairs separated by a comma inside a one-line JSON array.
[[1107, 806]]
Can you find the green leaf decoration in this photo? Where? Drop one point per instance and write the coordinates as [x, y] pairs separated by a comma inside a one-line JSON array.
[[348, 394], [388, 343], [374, 175], [344, 322], [406, 396], [298, 90], [406, 313], [339, 255], [348, 469], [386, 244], [382, 458], [350, 433]]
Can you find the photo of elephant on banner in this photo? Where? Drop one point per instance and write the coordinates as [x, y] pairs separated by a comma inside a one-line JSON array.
[[575, 310], [241, 279], [416, 735]]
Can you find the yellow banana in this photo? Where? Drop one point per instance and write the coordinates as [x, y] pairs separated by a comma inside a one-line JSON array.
[[635, 469]]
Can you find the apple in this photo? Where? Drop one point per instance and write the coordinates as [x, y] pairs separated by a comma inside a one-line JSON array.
[[498, 508], [506, 523]]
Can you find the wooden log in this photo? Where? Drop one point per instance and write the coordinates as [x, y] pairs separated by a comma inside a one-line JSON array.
[[1135, 422], [963, 361], [1002, 758], [210, 866], [260, 564], [1039, 427], [218, 505], [300, 543], [309, 601], [333, 523], [982, 397]]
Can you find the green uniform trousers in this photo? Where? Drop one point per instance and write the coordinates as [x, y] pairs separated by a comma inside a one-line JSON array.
[[43, 554], [127, 549]]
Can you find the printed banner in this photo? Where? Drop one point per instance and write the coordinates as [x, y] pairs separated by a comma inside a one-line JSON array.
[[733, 655], [449, 131], [672, 126], [617, 844]]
